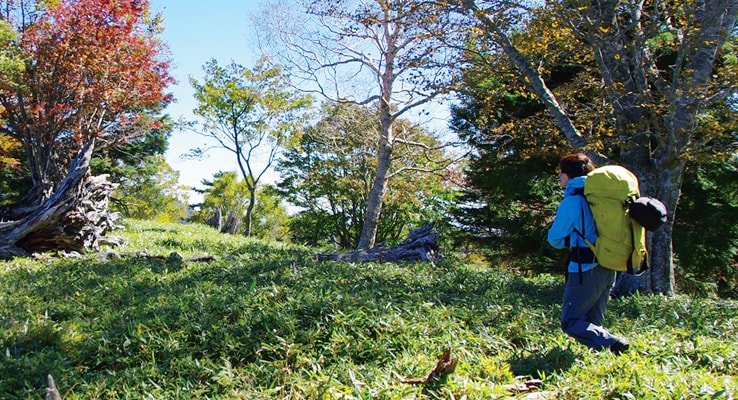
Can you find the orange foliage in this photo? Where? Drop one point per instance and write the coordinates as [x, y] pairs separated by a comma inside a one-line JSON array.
[[94, 65]]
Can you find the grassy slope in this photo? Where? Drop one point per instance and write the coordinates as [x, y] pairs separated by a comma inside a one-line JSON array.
[[265, 321]]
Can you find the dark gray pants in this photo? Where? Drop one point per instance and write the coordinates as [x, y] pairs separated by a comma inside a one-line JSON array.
[[584, 307]]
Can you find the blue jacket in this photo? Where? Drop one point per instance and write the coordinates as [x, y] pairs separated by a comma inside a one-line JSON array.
[[573, 213]]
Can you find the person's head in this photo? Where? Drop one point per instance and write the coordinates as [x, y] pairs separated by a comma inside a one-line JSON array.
[[574, 165]]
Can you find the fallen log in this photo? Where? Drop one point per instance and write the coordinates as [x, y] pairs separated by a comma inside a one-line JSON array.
[[420, 245], [173, 257]]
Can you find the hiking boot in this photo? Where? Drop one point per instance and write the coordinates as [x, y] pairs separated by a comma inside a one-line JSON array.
[[619, 347]]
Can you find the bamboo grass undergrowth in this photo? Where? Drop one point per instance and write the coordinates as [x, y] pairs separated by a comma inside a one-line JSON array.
[[266, 321]]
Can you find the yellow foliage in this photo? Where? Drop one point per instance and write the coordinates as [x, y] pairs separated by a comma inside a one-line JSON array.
[[568, 66], [7, 146]]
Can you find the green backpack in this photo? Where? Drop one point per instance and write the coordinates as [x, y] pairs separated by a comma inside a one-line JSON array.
[[621, 240]]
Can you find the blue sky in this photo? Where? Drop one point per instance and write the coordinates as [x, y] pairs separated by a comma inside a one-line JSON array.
[[197, 31]]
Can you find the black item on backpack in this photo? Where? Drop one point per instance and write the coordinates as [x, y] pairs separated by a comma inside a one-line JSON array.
[[649, 212]]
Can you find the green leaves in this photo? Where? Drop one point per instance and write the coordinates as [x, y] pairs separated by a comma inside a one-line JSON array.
[[707, 246], [329, 174], [225, 192], [12, 62], [252, 113]]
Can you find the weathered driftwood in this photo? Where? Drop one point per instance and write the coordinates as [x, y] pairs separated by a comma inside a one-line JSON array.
[[52, 393], [216, 220], [420, 245], [173, 257], [232, 224], [75, 218]]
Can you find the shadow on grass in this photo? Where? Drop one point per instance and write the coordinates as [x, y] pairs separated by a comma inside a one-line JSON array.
[[537, 365]]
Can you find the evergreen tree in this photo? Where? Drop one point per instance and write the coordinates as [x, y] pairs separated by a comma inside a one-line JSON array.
[[511, 192], [148, 188], [705, 236], [225, 193]]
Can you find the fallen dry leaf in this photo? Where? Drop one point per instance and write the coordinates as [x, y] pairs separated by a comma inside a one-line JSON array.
[[445, 365]]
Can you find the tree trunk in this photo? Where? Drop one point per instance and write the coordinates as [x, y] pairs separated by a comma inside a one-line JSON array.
[[374, 204], [250, 211], [379, 187], [667, 188], [74, 218]]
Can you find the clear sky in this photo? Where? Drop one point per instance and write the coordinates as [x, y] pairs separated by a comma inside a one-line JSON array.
[[197, 31]]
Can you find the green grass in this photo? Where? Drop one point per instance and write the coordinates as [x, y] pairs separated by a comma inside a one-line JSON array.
[[265, 321]]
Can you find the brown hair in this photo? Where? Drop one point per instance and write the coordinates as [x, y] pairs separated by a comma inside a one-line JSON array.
[[577, 164]]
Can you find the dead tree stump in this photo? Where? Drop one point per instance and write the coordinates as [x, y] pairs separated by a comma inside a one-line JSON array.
[[216, 220], [232, 224], [52, 393], [75, 218]]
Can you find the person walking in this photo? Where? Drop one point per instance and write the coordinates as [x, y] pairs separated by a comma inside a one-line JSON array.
[[588, 284]]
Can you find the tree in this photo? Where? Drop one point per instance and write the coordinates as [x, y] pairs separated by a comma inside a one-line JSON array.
[[251, 113], [12, 183], [225, 194], [153, 193], [327, 176], [91, 68], [388, 53], [511, 193], [705, 243], [229, 196], [271, 220], [148, 188], [656, 63], [12, 63]]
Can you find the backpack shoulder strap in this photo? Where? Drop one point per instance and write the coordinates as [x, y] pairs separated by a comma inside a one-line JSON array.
[[580, 192]]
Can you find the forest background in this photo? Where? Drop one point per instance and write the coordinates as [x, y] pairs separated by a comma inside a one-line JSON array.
[[492, 194], [338, 107]]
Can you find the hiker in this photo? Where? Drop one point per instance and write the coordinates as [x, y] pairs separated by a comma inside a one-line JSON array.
[[588, 284]]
